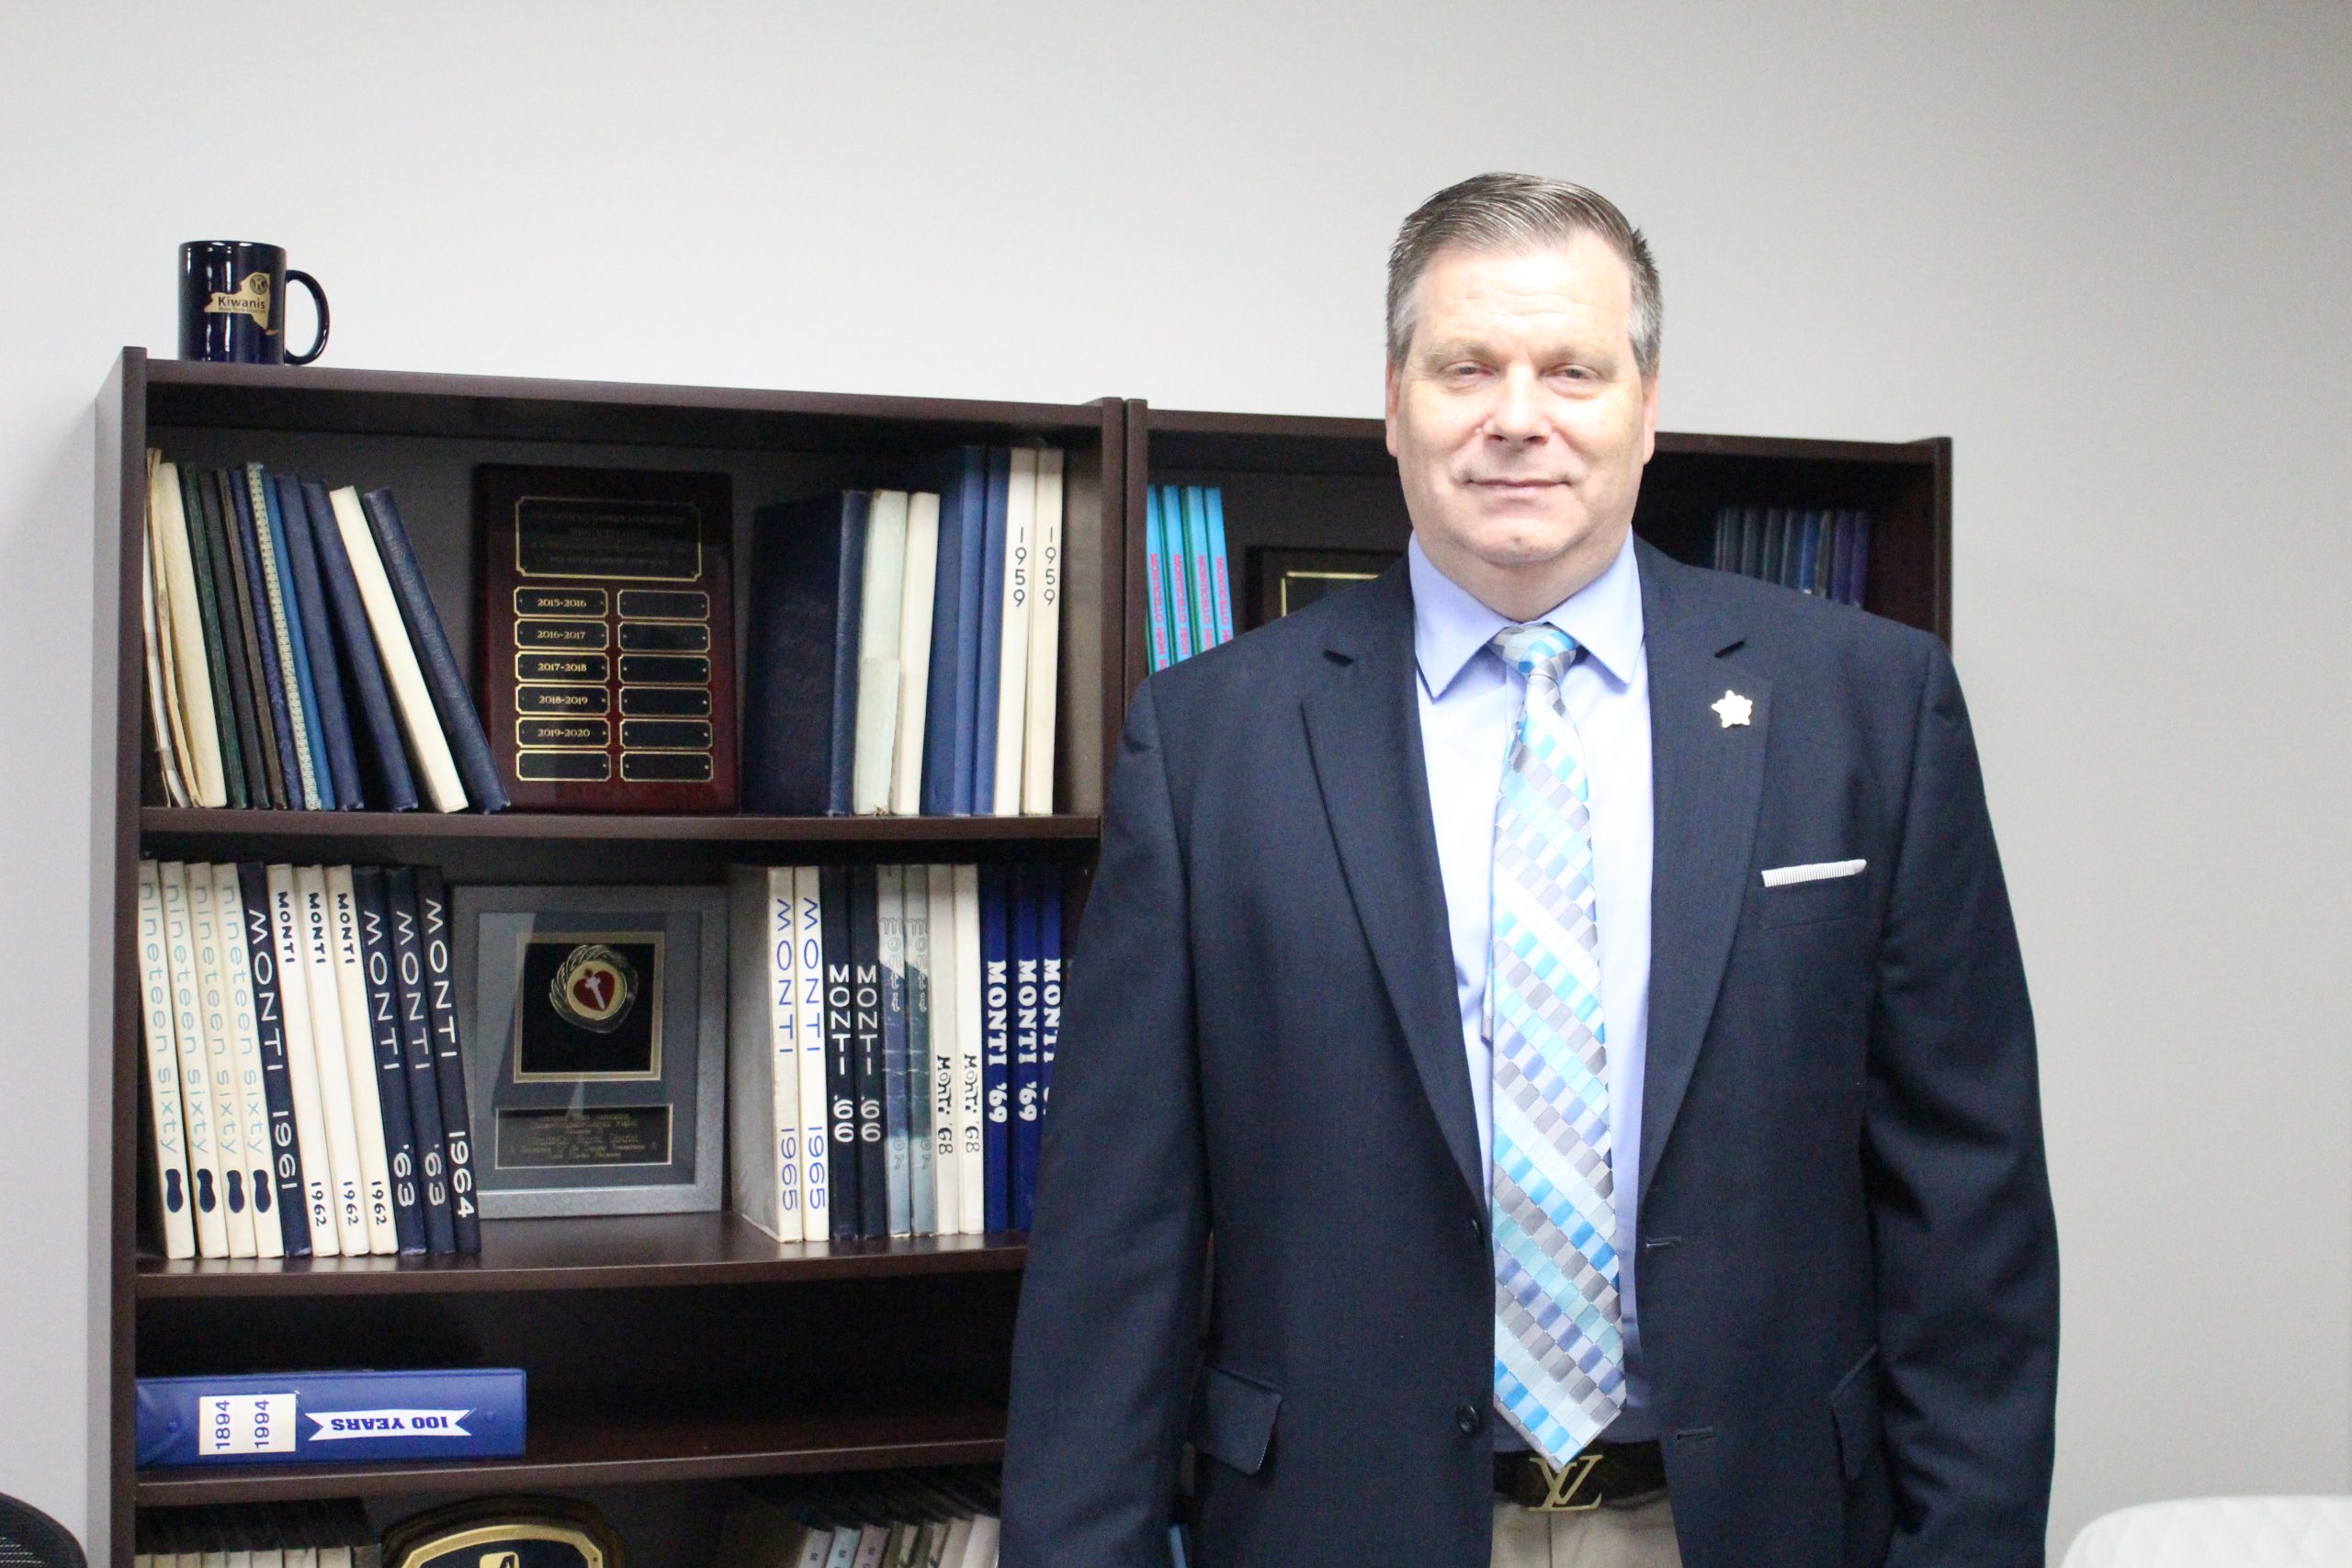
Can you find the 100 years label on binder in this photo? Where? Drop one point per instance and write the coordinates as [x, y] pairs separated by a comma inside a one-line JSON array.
[[608, 637]]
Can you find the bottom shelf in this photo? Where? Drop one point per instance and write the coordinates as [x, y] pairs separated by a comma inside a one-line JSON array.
[[603, 1446]]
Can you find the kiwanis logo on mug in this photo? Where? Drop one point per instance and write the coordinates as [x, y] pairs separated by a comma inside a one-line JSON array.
[[595, 987], [251, 297], [501, 1560]]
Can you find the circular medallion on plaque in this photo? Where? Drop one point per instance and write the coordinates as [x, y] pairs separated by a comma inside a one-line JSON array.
[[595, 987]]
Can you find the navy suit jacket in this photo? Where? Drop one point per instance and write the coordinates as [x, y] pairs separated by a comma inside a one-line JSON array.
[[1849, 1263]]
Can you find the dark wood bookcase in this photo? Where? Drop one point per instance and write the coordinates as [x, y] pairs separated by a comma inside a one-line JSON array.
[[669, 1353], [666, 1349], [1295, 483]]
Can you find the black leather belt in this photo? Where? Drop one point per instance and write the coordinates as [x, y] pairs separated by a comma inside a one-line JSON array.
[[1603, 1473]]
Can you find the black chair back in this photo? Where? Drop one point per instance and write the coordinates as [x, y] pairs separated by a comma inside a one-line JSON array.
[[31, 1538]]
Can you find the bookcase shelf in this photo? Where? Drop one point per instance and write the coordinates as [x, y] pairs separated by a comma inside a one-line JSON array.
[[609, 1446], [689, 1348], [296, 829], [634, 1251], [635, 849]]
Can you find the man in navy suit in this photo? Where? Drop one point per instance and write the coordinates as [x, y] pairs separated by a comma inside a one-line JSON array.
[[1576, 995]]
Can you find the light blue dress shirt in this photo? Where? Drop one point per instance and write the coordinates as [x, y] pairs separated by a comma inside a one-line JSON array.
[[1470, 704]]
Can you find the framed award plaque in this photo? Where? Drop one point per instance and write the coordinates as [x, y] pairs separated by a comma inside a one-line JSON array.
[[596, 1057], [1285, 579], [608, 637]]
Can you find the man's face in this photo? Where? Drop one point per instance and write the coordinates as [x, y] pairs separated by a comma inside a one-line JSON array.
[[1518, 420]]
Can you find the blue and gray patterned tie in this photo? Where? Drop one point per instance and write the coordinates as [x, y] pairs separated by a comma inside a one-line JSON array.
[[1559, 1350]]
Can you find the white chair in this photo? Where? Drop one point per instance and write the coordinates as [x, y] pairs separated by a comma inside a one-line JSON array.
[[2220, 1532]]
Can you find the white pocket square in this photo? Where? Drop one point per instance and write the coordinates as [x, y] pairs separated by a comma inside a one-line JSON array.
[[1820, 871]]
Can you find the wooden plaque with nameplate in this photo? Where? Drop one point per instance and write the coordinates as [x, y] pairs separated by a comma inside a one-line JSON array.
[[608, 637]]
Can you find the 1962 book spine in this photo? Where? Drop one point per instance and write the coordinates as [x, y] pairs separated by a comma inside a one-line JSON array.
[[320, 1197]]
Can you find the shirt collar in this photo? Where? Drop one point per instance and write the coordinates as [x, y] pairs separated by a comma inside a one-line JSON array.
[[1450, 624]]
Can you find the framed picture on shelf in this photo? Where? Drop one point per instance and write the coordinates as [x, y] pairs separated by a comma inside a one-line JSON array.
[[1283, 580], [596, 1022]]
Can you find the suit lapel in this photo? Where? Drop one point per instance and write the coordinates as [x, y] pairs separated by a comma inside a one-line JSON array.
[[1363, 728], [1708, 782]]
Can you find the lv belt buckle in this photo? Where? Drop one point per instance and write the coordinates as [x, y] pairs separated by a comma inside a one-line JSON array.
[[1560, 1484]]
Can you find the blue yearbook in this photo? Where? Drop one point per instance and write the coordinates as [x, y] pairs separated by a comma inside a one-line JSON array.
[[1027, 997], [331, 1417], [996, 1062]]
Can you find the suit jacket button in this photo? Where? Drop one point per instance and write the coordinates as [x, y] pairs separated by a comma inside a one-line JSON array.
[[1469, 1418]]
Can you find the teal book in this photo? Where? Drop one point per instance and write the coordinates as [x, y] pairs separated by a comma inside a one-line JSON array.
[[1155, 551], [1220, 574], [1197, 556], [1177, 566]]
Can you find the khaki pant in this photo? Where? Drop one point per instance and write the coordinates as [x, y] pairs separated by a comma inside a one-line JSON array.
[[1638, 1537]]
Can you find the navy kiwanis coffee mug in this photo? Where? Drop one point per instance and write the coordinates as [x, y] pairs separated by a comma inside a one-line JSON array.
[[232, 303]]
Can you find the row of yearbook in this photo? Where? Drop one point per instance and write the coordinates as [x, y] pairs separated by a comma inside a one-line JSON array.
[[1824, 553], [305, 1078], [1187, 583], [941, 1518], [891, 1040], [327, 1534], [904, 648], [295, 659]]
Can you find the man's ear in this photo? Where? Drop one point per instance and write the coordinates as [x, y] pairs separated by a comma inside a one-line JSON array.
[[1649, 415]]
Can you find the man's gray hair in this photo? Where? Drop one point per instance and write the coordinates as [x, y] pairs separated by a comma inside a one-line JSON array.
[[1517, 212]]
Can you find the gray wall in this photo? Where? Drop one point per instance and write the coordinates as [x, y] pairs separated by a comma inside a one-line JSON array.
[[2100, 245]]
